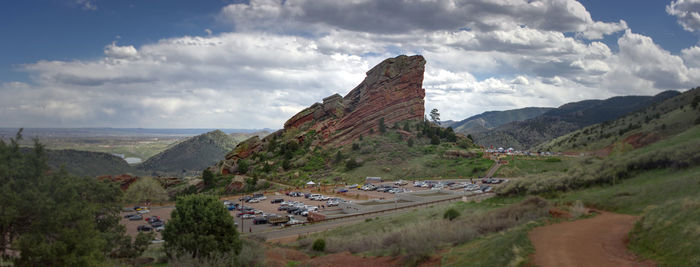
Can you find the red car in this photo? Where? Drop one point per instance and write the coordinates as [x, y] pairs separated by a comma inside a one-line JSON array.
[[152, 217], [244, 212]]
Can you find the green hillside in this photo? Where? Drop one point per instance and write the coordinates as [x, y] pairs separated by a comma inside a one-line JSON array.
[[492, 119], [87, 163], [565, 119], [637, 129], [190, 156], [408, 150]]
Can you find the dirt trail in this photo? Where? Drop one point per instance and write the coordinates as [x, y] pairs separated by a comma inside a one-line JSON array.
[[597, 241]]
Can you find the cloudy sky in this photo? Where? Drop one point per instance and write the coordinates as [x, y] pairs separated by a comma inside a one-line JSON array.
[[253, 64]]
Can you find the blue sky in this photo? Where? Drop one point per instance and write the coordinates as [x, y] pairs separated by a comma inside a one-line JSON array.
[[190, 64]]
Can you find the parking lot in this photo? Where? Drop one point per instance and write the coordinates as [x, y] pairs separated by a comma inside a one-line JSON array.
[[264, 207]]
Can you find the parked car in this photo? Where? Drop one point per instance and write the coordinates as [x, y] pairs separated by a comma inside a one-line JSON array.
[[144, 228], [342, 190], [260, 220], [248, 216], [130, 215], [143, 211], [277, 200], [136, 217], [254, 200], [157, 218], [245, 198], [157, 224], [159, 228]]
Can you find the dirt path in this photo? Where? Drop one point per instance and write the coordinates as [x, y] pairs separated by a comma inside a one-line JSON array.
[[597, 241], [492, 170]]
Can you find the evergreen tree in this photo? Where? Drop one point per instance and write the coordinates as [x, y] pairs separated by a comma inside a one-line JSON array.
[[199, 227]]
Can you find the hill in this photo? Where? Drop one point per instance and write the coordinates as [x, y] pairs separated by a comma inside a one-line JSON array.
[[643, 127], [86, 163], [377, 129], [190, 156], [492, 119], [565, 119]]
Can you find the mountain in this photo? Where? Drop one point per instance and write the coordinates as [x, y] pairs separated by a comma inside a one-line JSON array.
[[191, 155], [378, 128], [643, 127], [85, 163], [565, 119], [492, 119]]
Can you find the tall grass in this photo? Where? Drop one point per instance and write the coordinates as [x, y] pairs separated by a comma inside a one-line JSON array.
[[418, 240]]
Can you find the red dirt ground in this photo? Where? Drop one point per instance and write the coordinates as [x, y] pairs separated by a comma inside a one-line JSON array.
[[597, 241]]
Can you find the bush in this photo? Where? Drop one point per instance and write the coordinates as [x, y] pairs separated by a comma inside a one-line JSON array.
[[355, 146], [435, 140], [319, 245], [410, 142], [451, 214], [352, 164], [382, 126]]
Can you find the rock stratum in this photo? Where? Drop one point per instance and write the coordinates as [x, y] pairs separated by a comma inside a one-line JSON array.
[[392, 91]]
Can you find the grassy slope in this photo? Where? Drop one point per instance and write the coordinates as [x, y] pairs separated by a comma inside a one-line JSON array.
[[384, 155], [507, 248], [524, 165], [386, 158]]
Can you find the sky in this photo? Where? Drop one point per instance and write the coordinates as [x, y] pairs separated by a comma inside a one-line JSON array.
[[254, 64]]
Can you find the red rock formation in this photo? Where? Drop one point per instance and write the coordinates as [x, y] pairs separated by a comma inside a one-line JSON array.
[[391, 91]]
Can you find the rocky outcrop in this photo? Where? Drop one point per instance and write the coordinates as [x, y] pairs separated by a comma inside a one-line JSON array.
[[392, 91]]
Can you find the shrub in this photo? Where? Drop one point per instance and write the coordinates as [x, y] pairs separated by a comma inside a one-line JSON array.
[[410, 142], [552, 159], [451, 214], [382, 127], [352, 164], [319, 245], [355, 146], [435, 140]]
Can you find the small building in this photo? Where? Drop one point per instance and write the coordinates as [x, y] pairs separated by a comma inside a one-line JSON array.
[[373, 179]]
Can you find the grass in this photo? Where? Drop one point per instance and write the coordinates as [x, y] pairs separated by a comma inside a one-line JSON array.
[[507, 248], [418, 234], [523, 165], [669, 233], [634, 195]]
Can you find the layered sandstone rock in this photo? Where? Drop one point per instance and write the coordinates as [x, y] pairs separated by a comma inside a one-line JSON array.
[[392, 91]]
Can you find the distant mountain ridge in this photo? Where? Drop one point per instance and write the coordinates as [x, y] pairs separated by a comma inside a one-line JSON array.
[[191, 155], [492, 119], [565, 119], [85, 163]]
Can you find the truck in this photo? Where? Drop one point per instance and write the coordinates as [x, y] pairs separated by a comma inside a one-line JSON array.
[[277, 220]]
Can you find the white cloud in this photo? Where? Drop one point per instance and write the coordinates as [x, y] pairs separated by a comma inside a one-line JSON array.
[[687, 12], [286, 55]]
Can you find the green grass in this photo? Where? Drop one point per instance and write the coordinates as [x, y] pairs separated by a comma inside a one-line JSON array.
[[669, 233], [507, 248], [523, 165], [634, 195]]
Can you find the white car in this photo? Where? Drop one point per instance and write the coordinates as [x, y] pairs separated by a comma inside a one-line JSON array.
[[254, 200], [143, 211]]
